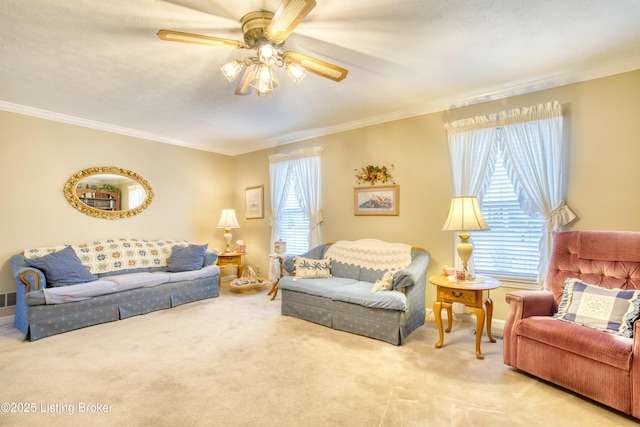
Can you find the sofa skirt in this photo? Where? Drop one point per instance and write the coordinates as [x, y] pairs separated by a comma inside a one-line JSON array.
[[381, 324], [308, 307], [47, 320]]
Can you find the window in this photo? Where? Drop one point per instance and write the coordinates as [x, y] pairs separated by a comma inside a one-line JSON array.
[[294, 223], [512, 247], [136, 196], [295, 201]]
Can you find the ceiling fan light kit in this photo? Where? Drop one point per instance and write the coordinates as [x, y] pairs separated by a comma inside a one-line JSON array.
[[265, 32]]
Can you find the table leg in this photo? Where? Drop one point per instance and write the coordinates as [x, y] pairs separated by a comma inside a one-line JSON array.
[[239, 270], [449, 316], [274, 290], [437, 311], [479, 328], [489, 305]]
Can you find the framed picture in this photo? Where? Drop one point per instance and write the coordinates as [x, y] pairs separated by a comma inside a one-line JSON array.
[[253, 202], [377, 200]]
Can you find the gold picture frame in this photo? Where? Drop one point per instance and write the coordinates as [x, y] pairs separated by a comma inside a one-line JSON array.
[[254, 202], [383, 200]]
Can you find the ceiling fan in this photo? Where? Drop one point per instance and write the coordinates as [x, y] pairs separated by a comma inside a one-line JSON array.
[[265, 32]]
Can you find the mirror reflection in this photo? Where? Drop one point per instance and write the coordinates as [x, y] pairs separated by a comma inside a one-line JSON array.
[[108, 192]]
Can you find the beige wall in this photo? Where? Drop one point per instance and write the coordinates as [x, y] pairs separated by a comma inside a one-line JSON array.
[[38, 157], [602, 135]]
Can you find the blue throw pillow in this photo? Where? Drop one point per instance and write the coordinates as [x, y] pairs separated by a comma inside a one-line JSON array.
[[187, 258], [62, 268]]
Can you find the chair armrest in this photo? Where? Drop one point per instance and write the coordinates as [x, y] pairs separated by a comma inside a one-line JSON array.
[[410, 275], [32, 278], [635, 370], [523, 304], [530, 303], [210, 258]]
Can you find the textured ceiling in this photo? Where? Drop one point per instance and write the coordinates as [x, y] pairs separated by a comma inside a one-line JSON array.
[[99, 64]]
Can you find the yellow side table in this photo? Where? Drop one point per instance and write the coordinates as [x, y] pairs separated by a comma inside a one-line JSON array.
[[473, 294], [231, 258]]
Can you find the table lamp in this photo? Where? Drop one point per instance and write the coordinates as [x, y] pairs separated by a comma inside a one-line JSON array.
[[228, 221], [464, 216]]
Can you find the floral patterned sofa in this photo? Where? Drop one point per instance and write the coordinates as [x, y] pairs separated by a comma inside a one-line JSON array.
[[66, 287], [366, 287]]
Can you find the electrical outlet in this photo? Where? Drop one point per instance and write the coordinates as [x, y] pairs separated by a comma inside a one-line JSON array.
[[258, 269]]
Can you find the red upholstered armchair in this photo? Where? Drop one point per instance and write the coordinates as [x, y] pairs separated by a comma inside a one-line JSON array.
[[600, 365]]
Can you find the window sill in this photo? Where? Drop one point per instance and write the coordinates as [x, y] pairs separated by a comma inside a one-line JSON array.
[[515, 282]]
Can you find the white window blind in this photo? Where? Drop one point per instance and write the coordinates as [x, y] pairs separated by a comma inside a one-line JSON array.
[[511, 247], [294, 222]]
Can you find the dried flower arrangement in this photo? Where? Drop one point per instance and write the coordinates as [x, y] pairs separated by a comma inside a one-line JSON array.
[[373, 174]]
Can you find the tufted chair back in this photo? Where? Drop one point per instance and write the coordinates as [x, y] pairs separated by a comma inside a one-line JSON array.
[[610, 259]]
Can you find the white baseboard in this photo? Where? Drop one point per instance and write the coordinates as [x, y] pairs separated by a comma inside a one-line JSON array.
[[6, 320]]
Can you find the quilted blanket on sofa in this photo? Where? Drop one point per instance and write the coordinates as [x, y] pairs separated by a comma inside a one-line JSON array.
[[105, 256], [371, 253]]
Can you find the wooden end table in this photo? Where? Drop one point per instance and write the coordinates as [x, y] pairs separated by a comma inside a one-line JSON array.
[[474, 295], [231, 258]]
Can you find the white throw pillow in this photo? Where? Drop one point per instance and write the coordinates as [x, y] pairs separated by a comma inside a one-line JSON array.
[[385, 283], [307, 268]]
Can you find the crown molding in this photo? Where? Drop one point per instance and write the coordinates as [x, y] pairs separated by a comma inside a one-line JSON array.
[[457, 101], [460, 100], [91, 124]]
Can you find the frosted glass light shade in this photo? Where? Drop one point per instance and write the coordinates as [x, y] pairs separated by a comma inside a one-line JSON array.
[[296, 72], [265, 80], [232, 69]]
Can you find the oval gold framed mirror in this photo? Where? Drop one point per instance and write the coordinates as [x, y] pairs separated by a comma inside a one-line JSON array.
[[108, 192]]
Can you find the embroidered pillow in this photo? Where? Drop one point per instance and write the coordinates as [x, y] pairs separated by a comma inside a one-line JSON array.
[[385, 283], [307, 268], [62, 268], [187, 258], [609, 310]]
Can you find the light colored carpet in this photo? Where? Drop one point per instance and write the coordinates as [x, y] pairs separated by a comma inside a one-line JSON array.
[[235, 361]]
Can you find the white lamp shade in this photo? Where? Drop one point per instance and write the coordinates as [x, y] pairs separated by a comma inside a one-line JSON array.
[[465, 215], [228, 219]]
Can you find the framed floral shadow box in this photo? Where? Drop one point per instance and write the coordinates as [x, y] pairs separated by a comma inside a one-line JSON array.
[[384, 200], [254, 202]]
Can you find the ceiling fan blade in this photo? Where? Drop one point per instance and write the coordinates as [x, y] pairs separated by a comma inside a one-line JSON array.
[[177, 36], [244, 86], [316, 66], [289, 14]]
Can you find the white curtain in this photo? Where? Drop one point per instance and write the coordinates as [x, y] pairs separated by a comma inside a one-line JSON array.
[[136, 196], [472, 151], [303, 168], [306, 173], [533, 159]]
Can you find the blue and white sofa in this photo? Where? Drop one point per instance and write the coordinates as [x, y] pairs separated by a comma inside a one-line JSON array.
[[66, 287], [367, 287]]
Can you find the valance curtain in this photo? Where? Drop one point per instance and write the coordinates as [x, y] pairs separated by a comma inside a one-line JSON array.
[[302, 167], [532, 143]]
